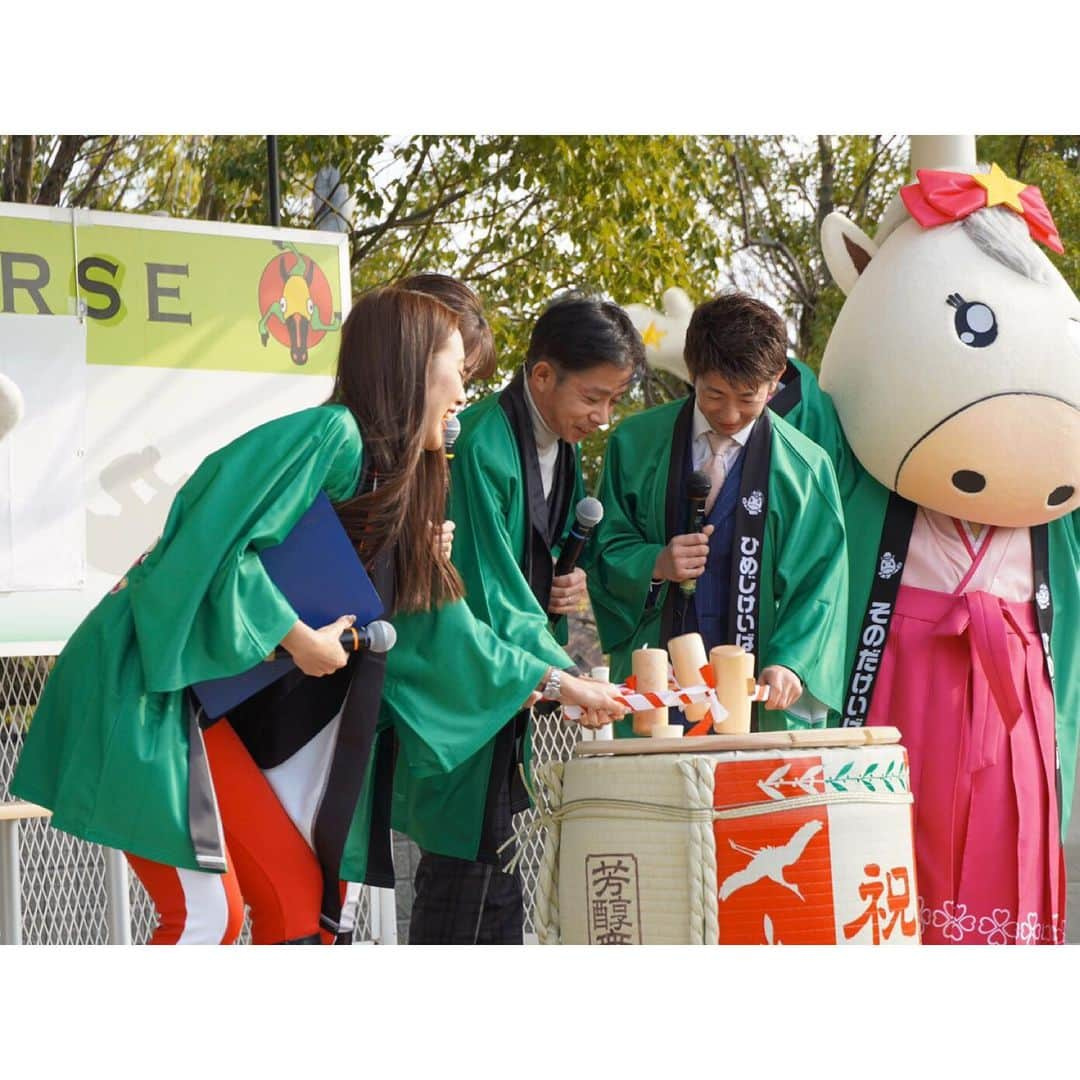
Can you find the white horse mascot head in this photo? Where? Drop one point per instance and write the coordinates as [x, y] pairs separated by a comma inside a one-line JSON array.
[[954, 364]]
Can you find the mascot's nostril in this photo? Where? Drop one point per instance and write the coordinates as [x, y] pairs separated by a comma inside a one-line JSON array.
[[1061, 495], [968, 481]]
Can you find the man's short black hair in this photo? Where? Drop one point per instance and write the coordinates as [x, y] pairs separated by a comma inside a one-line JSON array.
[[737, 336], [577, 332]]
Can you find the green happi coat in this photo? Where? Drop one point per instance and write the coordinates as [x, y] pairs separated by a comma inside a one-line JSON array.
[[803, 580], [108, 748], [865, 501], [490, 505]]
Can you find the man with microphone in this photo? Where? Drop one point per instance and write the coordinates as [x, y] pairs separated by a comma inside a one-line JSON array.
[[722, 519], [515, 485]]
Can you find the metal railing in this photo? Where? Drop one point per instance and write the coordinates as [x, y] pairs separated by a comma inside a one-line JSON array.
[[58, 890]]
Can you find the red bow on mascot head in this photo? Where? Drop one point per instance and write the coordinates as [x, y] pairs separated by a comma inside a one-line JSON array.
[[940, 197]]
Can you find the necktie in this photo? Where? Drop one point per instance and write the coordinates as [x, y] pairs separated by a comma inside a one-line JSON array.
[[717, 467]]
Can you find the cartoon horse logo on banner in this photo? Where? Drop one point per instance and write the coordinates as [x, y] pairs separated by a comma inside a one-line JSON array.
[[296, 303], [952, 414]]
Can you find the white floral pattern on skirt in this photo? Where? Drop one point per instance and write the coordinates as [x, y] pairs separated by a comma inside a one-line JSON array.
[[1000, 927]]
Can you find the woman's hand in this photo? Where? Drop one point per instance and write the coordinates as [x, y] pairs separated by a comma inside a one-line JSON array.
[[598, 699], [531, 700], [444, 539], [318, 652]]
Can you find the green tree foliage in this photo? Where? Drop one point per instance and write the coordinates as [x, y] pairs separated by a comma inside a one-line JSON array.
[[1052, 164], [522, 218], [773, 196]]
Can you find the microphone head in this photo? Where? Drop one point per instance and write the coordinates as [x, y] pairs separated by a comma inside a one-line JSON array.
[[381, 635], [590, 512], [451, 430], [11, 405], [699, 485]]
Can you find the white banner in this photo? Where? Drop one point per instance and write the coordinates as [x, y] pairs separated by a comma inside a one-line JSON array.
[[42, 503]]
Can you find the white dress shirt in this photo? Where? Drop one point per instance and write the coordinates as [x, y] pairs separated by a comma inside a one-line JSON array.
[[702, 451]]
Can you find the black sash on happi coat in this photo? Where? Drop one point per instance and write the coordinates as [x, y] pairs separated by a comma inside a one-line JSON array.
[[744, 605], [874, 631], [545, 518], [545, 526]]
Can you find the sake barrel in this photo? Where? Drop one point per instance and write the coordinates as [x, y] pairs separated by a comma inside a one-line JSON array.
[[781, 838]]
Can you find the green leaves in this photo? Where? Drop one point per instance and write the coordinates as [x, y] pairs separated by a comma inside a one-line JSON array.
[[1051, 163], [524, 217], [892, 778]]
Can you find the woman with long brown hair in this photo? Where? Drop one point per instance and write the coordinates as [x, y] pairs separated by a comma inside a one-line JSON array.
[[262, 806]]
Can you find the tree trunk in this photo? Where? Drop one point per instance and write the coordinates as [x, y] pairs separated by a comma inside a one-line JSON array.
[[805, 331], [826, 198], [60, 170], [7, 169], [209, 207], [22, 150]]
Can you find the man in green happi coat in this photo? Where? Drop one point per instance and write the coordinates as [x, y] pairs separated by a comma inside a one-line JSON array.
[[515, 480], [769, 565]]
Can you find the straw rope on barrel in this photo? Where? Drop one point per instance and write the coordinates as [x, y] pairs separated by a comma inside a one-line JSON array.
[[704, 914]]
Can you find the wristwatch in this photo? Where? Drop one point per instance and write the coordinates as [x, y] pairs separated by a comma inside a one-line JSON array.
[[553, 686]]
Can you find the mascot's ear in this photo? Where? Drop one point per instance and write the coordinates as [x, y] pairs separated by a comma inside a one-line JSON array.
[[847, 250]]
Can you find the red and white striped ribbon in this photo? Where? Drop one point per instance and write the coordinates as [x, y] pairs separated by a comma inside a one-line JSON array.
[[639, 701]]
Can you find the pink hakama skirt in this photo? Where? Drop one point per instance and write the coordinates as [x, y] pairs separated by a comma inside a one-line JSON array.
[[964, 678]]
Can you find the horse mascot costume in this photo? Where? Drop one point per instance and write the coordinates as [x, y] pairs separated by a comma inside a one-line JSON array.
[[951, 411]]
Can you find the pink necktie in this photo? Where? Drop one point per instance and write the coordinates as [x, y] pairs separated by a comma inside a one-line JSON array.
[[717, 467]]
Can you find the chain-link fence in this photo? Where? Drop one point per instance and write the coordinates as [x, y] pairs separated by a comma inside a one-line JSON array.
[[63, 880], [63, 891], [64, 896]]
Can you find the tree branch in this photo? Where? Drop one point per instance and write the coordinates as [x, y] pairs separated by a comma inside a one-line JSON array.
[[1020, 155], [857, 205], [376, 233], [99, 168], [421, 217]]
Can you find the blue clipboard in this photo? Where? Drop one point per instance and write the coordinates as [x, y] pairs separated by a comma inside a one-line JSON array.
[[318, 571]]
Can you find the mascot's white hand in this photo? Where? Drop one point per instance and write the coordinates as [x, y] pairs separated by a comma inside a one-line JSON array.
[[11, 405], [665, 332]]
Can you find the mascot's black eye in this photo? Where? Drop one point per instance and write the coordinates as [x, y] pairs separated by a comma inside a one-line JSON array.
[[975, 323]]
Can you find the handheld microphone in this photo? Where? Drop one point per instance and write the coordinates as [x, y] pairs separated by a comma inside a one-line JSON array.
[[588, 514], [377, 637], [697, 492], [11, 404], [451, 431]]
